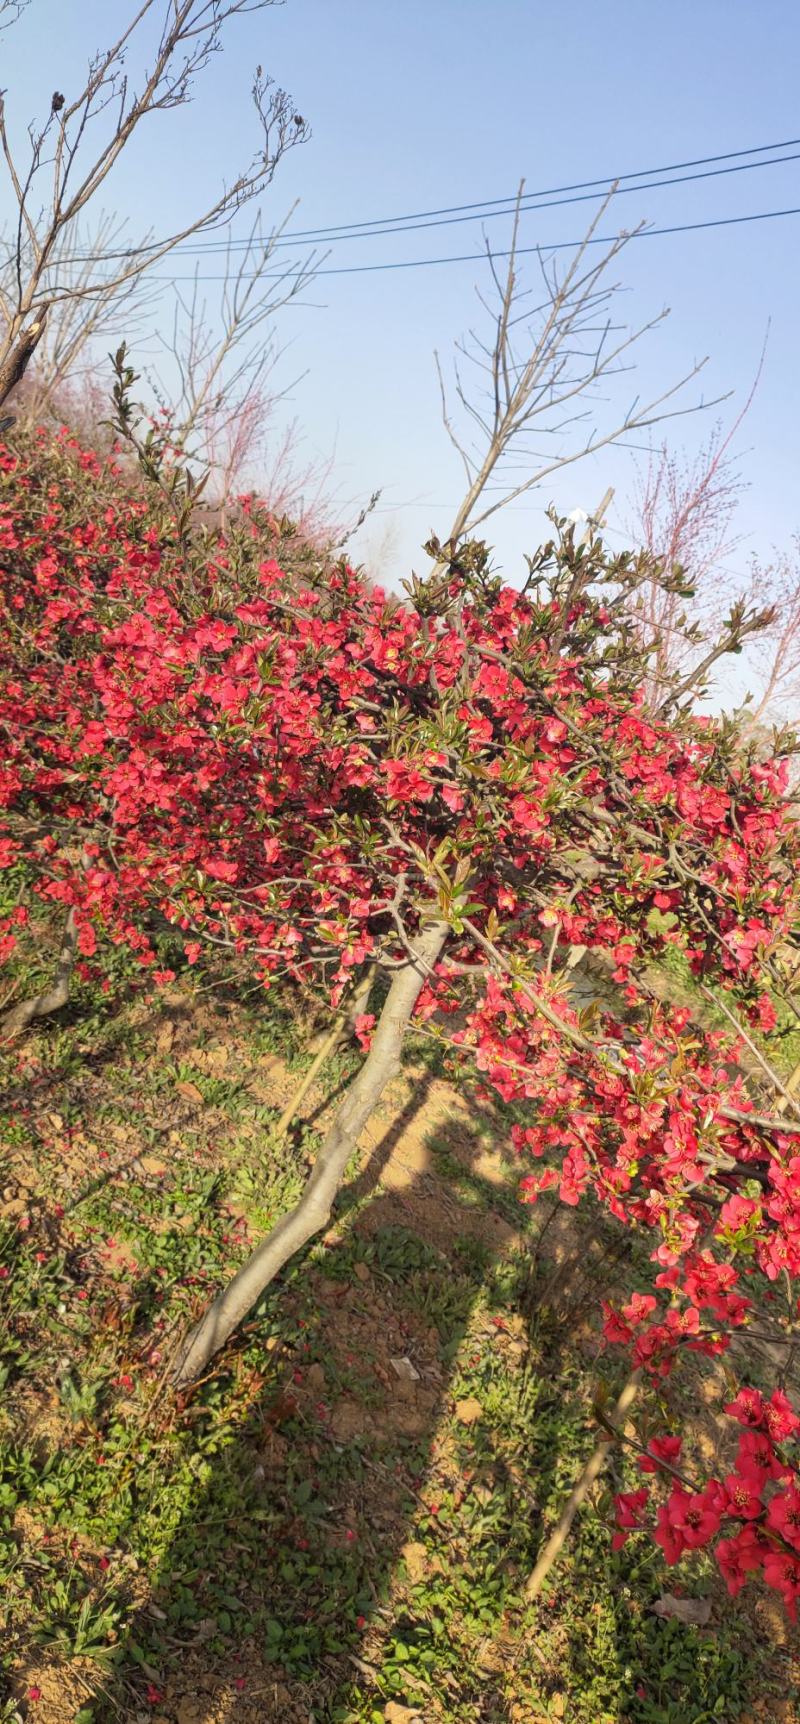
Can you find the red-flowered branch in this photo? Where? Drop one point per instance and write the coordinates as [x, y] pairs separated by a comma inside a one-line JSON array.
[[460, 787]]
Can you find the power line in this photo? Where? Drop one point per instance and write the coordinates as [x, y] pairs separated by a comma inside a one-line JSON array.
[[554, 191], [452, 214], [521, 251], [334, 238]]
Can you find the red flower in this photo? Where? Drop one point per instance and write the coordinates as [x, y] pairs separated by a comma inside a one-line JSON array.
[[404, 783], [363, 1027], [690, 1519], [743, 1499], [748, 1407], [660, 1449], [765, 1012], [737, 1558], [87, 940], [641, 1305], [782, 1572], [783, 1513], [756, 1458], [737, 1213], [780, 1418], [630, 1507]]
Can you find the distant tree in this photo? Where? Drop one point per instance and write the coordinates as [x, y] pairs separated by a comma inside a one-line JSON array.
[[683, 516], [62, 381], [775, 655], [525, 407], [216, 380]]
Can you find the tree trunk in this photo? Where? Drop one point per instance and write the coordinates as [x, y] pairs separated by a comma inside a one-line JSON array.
[[15, 363], [52, 998], [313, 1211]]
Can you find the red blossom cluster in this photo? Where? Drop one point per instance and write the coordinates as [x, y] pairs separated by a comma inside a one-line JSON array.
[[301, 774], [756, 1506]]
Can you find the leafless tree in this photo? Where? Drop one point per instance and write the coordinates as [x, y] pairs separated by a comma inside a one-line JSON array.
[[528, 406], [219, 384], [70, 155], [301, 486], [218, 389]]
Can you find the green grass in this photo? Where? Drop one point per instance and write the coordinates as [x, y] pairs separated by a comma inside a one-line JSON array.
[[781, 1046], [299, 1511]]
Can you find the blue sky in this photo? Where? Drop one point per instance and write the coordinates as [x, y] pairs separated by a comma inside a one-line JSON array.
[[421, 103]]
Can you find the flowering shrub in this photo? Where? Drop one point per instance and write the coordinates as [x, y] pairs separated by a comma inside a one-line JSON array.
[[463, 788]]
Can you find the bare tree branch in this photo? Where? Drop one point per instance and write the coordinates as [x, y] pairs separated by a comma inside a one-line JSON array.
[[539, 374], [10, 11], [76, 148], [738, 626]]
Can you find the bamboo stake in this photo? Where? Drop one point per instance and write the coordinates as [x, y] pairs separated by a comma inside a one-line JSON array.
[[792, 1085], [343, 1027], [591, 1471], [293, 1106]]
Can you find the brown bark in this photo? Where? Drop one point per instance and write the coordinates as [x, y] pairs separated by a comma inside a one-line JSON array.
[[14, 366], [313, 1211]]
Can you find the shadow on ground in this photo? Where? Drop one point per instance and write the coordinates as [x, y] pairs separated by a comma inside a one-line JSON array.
[[357, 1550]]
